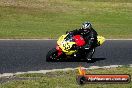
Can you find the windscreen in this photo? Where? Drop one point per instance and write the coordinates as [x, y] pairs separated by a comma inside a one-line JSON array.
[[69, 38]]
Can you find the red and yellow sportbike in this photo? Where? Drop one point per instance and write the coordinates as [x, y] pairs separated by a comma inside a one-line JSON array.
[[66, 48]]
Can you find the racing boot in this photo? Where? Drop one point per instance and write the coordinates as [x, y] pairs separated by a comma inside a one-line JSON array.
[[90, 54]]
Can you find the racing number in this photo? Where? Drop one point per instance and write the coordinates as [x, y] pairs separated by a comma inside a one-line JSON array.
[[66, 46]]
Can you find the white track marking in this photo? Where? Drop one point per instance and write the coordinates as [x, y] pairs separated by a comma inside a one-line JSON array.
[[55, 39], [118, 39], [28, 39], [66, 69]]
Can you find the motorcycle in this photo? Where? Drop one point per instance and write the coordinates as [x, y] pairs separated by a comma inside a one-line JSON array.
[[66, 48]]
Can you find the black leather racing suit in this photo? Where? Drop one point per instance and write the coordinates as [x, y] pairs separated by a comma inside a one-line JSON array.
[[90, 37]]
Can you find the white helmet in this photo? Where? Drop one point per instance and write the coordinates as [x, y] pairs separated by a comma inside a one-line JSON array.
[[87, 25]]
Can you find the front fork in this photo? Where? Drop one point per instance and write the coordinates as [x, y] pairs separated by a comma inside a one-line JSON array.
[[59, 50]]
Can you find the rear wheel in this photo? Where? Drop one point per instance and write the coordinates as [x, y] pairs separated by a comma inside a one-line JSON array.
[[52, 55]]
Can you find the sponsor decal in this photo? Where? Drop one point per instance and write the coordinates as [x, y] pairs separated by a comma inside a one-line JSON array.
[[101, 78]]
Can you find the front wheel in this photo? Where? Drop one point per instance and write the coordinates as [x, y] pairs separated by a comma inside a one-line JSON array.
[[52, 55]]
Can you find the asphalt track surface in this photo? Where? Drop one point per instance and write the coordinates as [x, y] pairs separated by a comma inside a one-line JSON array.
[[29, 55]]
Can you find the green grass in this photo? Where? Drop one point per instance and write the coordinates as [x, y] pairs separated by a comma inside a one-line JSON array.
[[66, 79], [51, 18]]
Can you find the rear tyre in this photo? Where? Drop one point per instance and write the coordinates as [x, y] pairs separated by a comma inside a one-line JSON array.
[[52, 55]]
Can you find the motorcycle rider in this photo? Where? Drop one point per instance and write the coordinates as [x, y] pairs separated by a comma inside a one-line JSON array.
[[90, 37]]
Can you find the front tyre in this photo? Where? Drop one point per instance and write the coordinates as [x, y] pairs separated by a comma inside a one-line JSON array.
[[52, 55]]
